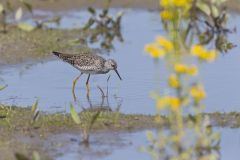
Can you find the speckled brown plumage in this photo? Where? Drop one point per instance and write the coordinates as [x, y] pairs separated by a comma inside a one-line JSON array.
[[86, 62]]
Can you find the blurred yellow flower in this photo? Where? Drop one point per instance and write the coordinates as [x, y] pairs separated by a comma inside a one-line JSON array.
[[154, 51], [166, 3], [173, 81], [175, 103], [175, 3], [167, 15], [181, 3], [197, 49], [198, 92], [185, 69], [163, 102], [201, 53], [193, 70], [172, 9], [168, 101], [212, 55], [180, 68], [166, 44]]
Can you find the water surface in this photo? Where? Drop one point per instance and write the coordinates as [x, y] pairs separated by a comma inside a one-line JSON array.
[[51, 81]]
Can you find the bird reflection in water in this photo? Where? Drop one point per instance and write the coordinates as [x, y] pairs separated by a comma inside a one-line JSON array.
[[104, 105]]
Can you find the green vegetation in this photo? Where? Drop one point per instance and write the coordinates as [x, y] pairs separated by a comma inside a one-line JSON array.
[[104, 28], [14, 118]]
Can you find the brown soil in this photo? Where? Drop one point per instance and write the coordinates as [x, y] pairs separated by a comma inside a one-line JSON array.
[[59, 5]]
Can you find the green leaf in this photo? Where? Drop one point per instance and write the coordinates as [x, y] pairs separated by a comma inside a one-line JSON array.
[[18, 14], [26, 27], [3, 87], [89, 24], [1, 8], [105, 12], [218, 2], [27, 5], [215, 11], [204, 8], [34, 106], [36, 155], [74, 114], [20, 156], [91, 10]]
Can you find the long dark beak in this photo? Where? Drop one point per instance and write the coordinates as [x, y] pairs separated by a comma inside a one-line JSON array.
[[118, 74]]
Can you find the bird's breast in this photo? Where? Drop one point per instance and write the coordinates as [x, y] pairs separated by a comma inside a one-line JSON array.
[[92, 69]]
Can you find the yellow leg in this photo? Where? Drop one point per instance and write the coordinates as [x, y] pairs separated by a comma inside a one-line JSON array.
[[88, 89], [73, 86]]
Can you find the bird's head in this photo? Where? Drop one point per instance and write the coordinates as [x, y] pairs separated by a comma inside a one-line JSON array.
[[110, 64]]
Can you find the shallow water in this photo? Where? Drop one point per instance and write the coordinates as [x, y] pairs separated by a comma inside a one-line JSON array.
[[117, 146], [102, 146], [51, 80]]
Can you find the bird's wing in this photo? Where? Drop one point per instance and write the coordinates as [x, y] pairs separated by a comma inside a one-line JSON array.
[[89, 62], [67, 58]]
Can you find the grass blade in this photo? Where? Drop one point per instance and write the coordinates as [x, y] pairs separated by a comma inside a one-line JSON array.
[[74, 114], [19, 14], [93, 120], [3, 87], [36, 156], [34, 106]]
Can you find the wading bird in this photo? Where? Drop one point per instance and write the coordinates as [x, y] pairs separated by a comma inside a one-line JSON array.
[[88, 63]]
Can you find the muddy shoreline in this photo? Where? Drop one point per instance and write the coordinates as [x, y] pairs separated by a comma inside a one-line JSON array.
[[62, 5], [19, 46], [17, 128]]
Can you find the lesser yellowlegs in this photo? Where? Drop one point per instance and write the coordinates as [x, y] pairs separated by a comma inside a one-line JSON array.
[[88, 63]]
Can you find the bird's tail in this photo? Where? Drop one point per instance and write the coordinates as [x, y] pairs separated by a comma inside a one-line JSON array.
[[58, 54], [65, 57]]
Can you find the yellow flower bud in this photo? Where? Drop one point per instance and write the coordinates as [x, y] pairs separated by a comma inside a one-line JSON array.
[[163, 102], [198, 92], [166, 44], [175, 103], [154, 51], [173, 81], [202, 54], [193, 71], [180, 68], [167, 15]]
